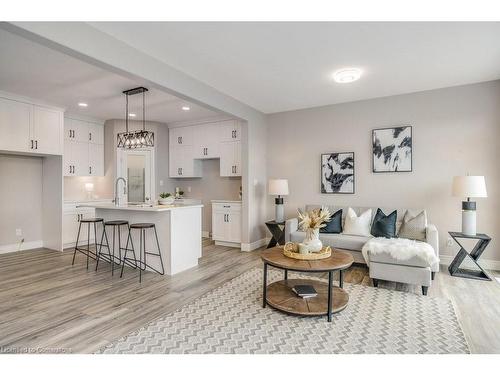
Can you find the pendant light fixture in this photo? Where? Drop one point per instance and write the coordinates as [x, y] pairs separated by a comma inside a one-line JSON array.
[[137, 138]]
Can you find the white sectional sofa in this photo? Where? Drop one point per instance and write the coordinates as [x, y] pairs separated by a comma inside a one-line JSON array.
[[382, 266]]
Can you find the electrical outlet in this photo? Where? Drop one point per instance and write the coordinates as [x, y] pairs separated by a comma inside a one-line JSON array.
[[449, 242], [161, 182], [189, 189], [19, 232]]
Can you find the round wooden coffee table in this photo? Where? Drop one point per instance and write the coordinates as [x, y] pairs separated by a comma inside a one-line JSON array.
[[330, 299]]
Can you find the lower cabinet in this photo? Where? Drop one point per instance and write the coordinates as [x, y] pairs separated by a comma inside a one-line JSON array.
[[226, 223], [71, 222]]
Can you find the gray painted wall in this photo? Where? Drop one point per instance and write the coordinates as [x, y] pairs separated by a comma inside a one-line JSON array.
[[20, 198], [455, 131]]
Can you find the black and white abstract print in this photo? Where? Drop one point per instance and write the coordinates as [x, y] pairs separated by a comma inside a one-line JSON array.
[[392, 149], [337, 173]]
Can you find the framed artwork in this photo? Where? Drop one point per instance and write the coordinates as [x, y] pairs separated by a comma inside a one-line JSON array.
[[392, 149], [337, 173]]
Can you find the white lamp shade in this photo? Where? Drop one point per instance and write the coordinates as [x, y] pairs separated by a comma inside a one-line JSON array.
[[89, 186], [469, 187], [278, 187]]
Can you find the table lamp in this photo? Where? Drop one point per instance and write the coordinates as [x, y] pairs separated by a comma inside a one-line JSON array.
[[469, 187], [89, 188], [279, 187]]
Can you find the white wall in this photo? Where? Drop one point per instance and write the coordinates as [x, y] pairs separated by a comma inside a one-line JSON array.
[[455, 131], [20, 198]]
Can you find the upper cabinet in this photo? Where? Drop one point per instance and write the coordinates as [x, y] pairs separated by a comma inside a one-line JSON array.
[[31, 128], [191, 144], [83, 148]]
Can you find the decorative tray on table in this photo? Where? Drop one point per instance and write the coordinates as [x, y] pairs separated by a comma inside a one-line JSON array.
[[291, 250]]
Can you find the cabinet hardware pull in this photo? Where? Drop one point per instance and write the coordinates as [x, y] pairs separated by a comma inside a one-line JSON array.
[[227, 206], [90, 136], [32, 144], [70, 169], [36, 145], [90, 170]]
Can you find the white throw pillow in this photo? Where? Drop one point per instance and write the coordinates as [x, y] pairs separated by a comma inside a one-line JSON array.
[[358, 225]]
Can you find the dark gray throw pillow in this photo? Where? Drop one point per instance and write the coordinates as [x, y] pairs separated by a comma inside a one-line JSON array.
[[384, 225], [334, 225]]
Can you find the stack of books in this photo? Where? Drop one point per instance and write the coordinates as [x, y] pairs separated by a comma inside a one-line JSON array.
[[305, 291]]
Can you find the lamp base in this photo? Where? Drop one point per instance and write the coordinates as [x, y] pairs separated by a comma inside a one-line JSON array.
[[469, 222], [280, 213]]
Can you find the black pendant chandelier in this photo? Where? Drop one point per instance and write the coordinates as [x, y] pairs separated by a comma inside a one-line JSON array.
[[137, 138]]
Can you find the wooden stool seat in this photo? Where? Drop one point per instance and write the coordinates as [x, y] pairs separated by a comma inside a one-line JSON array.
[[142, 225], [91, 220], [116, 222]]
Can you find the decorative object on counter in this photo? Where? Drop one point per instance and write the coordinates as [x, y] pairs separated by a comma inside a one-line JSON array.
[[278, 233], [337, 173], [89, 188], [469, 187], [178, 193], [311, 222], [278, 187], [392, 149], [301, 251], [137, 138], [166, 198], [474, 255]]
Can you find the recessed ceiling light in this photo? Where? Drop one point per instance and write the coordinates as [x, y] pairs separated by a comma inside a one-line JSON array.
[[185, 108], [131, 115], [347, 75], [82, 104]]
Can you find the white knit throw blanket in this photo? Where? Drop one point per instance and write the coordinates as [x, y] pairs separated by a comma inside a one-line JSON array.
[[400, 249]]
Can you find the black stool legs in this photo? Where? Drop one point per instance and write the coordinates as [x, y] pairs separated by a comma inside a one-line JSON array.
[[86, 251], [142, 262], [110, 257]]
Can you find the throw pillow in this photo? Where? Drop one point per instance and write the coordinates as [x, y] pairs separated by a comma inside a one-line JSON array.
[[334, 225], [384, 225], [358, 225], [413, 226]]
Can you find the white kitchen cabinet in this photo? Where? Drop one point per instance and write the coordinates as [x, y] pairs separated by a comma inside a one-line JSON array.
[[230, 130], [191, 144], [15, 121], [31, 128], [226, 223], [230, 160], [47, 131], [96, 159], [71, 223], [83, 148]]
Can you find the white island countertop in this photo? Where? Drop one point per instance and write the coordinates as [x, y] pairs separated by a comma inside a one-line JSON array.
[[139, 207]]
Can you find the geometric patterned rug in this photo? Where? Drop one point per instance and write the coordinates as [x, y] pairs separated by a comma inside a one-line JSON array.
[[230, 319]]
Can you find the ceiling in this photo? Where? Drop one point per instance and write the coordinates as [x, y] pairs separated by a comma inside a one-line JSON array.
[[276, 67], [32, 70]]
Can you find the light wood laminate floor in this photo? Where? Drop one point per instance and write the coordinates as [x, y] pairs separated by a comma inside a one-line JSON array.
[[49, 306]]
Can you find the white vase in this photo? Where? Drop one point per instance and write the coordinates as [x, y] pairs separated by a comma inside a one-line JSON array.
[[166, 201], [312, 240]]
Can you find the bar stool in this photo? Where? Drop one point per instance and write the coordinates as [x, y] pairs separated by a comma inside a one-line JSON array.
[[110, 256], [86, 251], [143, 264]]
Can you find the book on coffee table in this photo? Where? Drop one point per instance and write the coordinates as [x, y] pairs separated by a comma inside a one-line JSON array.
[[305, 291]]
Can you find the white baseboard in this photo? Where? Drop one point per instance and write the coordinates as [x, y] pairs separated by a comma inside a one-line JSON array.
[[24, 246], [205, 234], [487, 264], [229, 244], [254, 245]]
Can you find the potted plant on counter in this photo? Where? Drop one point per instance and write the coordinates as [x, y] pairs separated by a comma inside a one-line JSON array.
[[166, 198]]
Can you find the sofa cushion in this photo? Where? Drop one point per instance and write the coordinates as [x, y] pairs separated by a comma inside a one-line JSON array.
[[334, 225], [339, 241], [384, 225], [386, 258], [413, 226], [358, 225]]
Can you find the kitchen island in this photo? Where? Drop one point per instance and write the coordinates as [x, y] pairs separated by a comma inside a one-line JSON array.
[[178, 227]]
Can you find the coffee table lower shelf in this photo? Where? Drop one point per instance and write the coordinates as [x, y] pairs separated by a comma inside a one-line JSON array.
[[280, 296]]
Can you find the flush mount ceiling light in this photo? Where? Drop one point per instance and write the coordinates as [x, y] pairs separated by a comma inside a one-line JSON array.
[[82, 104], [186, 108], [347, 75], [138, 138]]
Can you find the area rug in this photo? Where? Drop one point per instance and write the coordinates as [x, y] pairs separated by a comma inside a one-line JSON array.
[[230, 319]]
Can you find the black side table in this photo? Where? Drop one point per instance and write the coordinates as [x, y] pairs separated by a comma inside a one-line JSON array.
[[278, 232], [454, 267]]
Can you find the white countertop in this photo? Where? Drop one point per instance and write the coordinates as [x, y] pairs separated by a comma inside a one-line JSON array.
[[154, 208], [223, 201]]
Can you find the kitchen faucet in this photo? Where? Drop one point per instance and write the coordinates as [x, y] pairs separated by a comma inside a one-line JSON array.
[[117, 198]]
